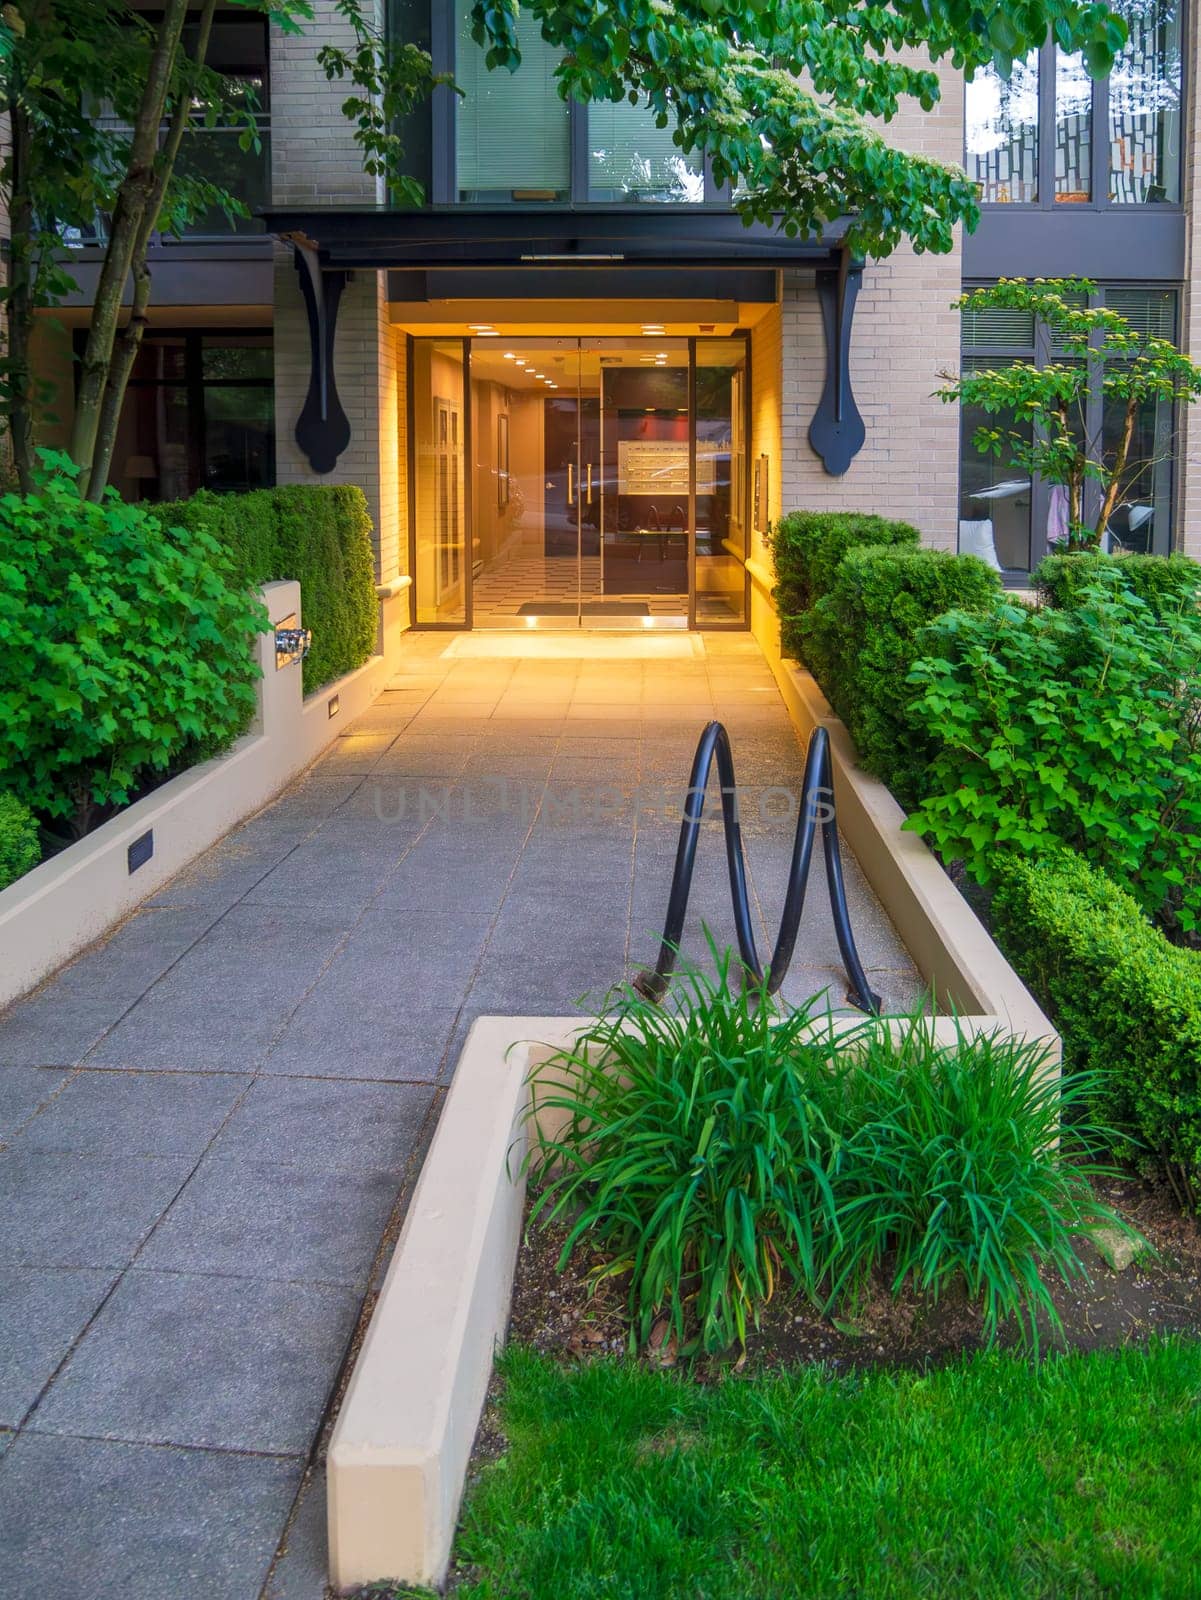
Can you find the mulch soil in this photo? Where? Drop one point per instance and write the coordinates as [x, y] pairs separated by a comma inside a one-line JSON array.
[[572, 1316]]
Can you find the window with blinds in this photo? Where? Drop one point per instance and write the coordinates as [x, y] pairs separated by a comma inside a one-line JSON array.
[[999, 328], [629, 158], [1150, 312], [513, 132]]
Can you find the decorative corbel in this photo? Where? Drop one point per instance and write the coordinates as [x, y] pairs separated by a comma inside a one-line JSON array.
[[837, 431], [323, 428]]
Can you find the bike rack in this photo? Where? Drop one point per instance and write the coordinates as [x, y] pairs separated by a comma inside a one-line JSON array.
[[817, 795]]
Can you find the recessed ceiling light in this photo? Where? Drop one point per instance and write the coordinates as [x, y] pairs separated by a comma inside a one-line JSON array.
[[486, 333], [509, 356], [540, 374], [652, 327], [480, 327]]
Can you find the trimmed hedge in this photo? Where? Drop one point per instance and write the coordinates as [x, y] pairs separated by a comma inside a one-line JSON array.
[[861, 640], [20, 846], [807, 547], [1165, 583], [317, 534], [1127, 1003]]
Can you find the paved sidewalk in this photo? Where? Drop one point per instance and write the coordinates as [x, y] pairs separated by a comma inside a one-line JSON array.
[[210, 1123]]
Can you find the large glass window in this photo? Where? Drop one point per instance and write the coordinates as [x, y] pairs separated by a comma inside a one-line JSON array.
[[1012, 521], [199, 413], [629, 158], [1002, 133], [513, 132], [1073, 129], [1026, 147], [1144, 106], [510, 136]]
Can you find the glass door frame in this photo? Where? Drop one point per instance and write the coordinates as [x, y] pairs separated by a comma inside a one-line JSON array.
[[739, 339]]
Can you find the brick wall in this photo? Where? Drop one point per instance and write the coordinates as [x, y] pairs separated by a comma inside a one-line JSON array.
[[904, 334], [314, 160], [368, 369]]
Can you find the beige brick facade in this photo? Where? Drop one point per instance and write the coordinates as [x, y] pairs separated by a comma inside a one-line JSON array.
[[904, 334]]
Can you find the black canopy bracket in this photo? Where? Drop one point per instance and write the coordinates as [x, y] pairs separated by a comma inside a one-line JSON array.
[[837, 431], [323, 428]]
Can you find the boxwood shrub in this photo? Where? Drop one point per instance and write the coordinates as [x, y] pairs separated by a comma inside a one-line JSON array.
[[317, 534], [20, 848], [126, 649], [807, 547], [861, 641], [1165, 583], [1127, 1002]]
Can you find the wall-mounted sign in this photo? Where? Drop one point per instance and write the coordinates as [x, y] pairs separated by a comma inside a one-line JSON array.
[[762, 508]]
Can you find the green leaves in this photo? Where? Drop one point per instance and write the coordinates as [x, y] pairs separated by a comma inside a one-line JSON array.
[[714, 1147], [122, 652], [1077, 727]]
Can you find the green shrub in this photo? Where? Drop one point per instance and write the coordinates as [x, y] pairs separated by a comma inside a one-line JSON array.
[[125, 650], [319, 535], [1166, 583], [20, 847], [714, 1149], [807, 547], [1078, 726], [861, 640], [1127, 1003]]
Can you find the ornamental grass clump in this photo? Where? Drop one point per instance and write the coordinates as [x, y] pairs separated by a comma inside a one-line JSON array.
[[718, 1147]]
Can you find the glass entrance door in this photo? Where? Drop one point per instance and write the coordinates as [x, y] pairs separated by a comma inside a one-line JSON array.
[[529, 416], [570, 482]]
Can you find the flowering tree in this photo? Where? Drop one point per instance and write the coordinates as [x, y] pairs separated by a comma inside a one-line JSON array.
[[1041, 412]]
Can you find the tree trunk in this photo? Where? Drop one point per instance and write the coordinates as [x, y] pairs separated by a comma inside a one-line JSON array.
[[19, 306], [129, 341], [133, 198], [1119, 467]]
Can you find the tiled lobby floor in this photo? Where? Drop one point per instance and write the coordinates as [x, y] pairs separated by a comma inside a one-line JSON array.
[[210, 1123]]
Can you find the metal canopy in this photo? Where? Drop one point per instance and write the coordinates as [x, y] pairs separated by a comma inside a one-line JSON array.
[[563, 252], [545, 236]]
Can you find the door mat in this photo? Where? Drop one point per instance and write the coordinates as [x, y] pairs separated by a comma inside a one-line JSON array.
[[591, 608]]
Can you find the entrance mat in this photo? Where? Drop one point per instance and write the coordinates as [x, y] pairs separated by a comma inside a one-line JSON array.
[[577, 646], [591, 608]]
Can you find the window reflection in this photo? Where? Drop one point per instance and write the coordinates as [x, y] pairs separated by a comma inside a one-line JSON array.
[[1002, 133], [1144, 106], [1073, 129], [199, 413], [630, 158], [994, 498]]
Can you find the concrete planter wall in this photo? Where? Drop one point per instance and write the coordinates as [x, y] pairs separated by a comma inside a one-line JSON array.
[[399, 1452], [64, 904]]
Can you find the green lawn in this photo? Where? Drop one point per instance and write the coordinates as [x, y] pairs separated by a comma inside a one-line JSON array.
[[986, 1479]]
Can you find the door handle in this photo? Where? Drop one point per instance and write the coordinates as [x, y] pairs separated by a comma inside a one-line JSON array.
[[570, 484], [589, 499]]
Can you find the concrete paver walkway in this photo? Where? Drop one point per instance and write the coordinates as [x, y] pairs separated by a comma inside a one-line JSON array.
[[210, 1123]]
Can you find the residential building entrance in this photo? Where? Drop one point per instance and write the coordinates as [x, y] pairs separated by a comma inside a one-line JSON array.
[[568, 482]]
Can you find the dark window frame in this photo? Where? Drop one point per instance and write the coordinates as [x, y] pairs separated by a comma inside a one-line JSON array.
[[1041, 352], [443, 112], [1099, 200], [193, 382]]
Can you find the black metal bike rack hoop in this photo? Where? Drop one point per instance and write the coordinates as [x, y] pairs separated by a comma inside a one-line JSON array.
[[817, 807]]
